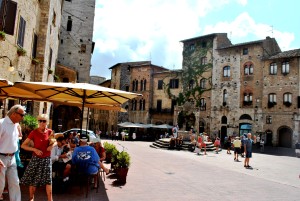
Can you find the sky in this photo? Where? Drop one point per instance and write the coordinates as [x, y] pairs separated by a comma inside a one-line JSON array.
[[151, 30]]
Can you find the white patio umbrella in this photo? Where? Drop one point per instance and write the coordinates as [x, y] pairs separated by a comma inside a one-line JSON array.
[[77, 93]]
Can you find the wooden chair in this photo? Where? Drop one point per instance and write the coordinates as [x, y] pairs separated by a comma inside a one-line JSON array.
[[85, 178]]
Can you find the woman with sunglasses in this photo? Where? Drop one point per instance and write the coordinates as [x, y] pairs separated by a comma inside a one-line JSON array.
[[39, 170]]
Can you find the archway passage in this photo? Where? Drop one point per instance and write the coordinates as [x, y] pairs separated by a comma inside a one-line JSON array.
[[223, 133], [285, 137]]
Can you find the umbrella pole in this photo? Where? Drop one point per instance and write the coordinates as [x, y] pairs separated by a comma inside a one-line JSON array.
[[82, 110]]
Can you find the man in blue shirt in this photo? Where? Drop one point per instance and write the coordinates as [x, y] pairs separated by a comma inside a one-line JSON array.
[[248, 150]]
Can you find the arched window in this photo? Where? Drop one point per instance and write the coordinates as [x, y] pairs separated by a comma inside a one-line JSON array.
[[273, 69], [143, 85], [224, 120], [134, 102], [271, 100], [225, 96], [287, 99], [202, 104], [226, 71], [248, 69], [247, 99], [191, 84], [202, 83], [142, 104], [135, 84], [285, 69]]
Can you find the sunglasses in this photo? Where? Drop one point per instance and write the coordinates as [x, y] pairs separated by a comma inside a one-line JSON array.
[[42, 121], [22, 115]]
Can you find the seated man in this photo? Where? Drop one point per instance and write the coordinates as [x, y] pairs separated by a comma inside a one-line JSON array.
[[60, 164], [87, 160]]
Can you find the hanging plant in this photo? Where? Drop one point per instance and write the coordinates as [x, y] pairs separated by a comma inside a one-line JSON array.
[[35, 61], [2, 35], [56, 78], [21, 51], [50, 71]]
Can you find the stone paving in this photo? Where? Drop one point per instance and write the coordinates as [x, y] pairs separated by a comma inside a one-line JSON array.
[[162, 175]]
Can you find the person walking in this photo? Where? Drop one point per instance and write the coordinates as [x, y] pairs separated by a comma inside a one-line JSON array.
[[39, 170], [9, 135], [237, 148], [248, 150]]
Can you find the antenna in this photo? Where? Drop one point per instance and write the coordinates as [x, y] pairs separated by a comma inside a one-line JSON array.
[[230, 34], [271, 30]]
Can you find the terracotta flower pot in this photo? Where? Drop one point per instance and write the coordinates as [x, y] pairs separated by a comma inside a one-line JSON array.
[[122, 174]]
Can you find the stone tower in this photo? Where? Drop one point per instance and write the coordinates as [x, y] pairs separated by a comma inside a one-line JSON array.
[[76, 35]]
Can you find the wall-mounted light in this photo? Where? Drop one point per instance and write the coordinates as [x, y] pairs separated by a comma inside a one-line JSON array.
[[10, 68]]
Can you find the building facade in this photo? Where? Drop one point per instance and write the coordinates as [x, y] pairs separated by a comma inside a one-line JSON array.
[[31, 30], [228, 89]]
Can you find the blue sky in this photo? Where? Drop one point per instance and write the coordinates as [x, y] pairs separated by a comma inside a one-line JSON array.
[[135, 30]]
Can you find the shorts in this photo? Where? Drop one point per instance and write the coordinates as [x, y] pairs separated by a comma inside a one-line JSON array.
[[237, 150], [248, 154]]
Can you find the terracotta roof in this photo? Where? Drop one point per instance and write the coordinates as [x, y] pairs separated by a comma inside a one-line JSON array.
[[287, 54]]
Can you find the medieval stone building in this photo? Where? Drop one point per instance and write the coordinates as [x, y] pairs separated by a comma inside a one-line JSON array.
[[223, 89], [29, 50]]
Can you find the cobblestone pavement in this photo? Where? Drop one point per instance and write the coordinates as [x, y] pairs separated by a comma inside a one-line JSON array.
[[157, 174]]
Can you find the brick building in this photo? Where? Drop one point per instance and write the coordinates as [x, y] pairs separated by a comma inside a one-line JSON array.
[[232, 89]]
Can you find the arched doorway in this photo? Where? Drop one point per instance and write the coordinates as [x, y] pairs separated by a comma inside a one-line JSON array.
[[245, 128], [201, 126], [65, 118], [285, 137], [269, 138], [223, 133]]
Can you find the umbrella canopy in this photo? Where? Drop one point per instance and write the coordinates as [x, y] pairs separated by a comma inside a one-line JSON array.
[[127, 124], [77, 93], [163, 126], [7, 89], [134, 125]]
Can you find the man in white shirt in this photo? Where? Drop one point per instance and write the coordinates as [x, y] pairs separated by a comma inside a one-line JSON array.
[[8, 146], [63, 168]]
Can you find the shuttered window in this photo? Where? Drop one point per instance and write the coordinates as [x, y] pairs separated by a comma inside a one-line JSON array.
[[34, 46], [21, 34], [8, 10]]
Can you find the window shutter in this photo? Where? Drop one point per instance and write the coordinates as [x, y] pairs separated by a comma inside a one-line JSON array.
[[10, 17], [1, 14]]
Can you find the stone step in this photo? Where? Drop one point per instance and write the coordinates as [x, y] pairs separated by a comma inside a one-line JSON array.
[[164, 144]]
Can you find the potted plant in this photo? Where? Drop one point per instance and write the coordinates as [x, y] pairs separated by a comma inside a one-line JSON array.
[[29, 123], [56, 78], [122, 166], [2, 35], [21, 51], [35, 61], [50, 71], [114, 158], [108, 149]]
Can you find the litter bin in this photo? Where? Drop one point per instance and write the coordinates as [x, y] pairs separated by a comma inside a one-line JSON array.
[[297, 149]]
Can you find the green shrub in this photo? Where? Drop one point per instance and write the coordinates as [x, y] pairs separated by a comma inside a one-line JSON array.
[[123, 160], [29, 122]]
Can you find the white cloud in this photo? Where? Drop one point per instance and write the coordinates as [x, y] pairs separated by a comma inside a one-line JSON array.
[[244, 26], [135, 30]]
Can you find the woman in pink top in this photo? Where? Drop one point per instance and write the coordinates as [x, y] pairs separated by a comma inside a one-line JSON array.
[[39, 170]]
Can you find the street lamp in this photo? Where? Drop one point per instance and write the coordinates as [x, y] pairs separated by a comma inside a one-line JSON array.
[[10, 68]]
